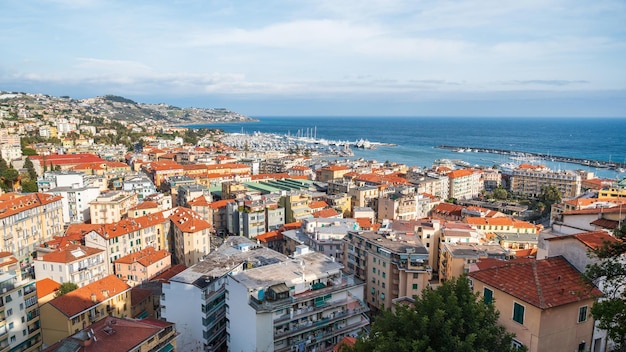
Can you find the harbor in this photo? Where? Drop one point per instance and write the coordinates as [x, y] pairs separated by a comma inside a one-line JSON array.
[[530, 156]]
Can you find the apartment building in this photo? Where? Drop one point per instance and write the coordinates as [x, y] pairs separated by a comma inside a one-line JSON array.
[[530, 180], [68, 314], [204, 285], [397, 206], [19, 310], [465, 183], [545, 303], [186, 193], [252, 217], [130, 235], [143, 265], [306, 302], [392, 265], [76, 200], [111, 207], [216, 213], [190, 236], [455, 259], [114, 334], [331, 173], [27, 221], [75, 263], [296, 206], [140, 184]]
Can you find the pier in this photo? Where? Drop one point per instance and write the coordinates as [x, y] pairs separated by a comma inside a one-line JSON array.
[[585, 162]]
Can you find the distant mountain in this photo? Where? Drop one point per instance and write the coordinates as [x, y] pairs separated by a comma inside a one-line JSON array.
[[122, 109]]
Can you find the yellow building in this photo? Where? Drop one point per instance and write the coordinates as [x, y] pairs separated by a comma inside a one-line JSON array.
[[455, 259], [545, 303], [68, 314], [191, 236], [529, 180], [111, 206], [612, 193], [28, 220]]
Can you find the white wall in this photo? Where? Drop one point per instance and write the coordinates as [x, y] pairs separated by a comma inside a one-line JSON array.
[[183, 306]]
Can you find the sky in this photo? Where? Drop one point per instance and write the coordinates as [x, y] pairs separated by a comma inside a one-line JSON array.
[[325, 57]]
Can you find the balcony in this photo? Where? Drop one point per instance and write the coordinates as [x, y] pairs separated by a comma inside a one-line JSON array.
[[322, 337], [311, 325]]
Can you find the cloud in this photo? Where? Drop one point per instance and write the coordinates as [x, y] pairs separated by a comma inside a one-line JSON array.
[[545, 82]]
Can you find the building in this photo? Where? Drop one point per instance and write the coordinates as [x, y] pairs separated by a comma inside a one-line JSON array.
[[331, 173], [74, 311], [140, 184], [19, 310], [111, 207], [203, 285], [190, 236], [302, 303], [76, 200], [545, 303], [465, 184], [216, 213], [27, 221], [114, 334], [65, 178], [398, 206], [392, 265], [186, 193], [143, 265], [591, 219], [253, 217], [75, 263], [455, 259], [530, 179], [296, 206]]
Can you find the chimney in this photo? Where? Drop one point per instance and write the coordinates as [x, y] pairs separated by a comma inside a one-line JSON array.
[[94, 299], [105, 293]]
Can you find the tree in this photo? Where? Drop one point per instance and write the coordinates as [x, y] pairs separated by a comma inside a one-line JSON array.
[[450, 318], [29, 186], [609, 274], [10, 176], [66, 287], [28, 165], [500, 193]]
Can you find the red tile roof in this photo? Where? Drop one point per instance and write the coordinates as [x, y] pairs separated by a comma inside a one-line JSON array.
[[546, 283], [169, 273], [70, 253], [67, 159], [592, 240], [126, 226], [325, 213], [188, 220], [270, 236], [80, 299], [144, 257], [460, 173], [138, 295], [13, 203], [45, 287]]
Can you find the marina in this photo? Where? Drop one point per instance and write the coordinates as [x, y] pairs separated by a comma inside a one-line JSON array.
[[535, 157]]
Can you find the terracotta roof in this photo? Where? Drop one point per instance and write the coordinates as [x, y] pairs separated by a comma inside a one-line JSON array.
[[138, 295], [188, 220], [146, 205], [325, 213], [605, 223], [592, 239], [69, 253], [80, 299], [144, 257], [45, 287], [13, 203], [82, 229], [347, 341], [67, 159], [199, 202], [270, 236], [318, 204], [460, 173], [126, 226], [169, 273], [7, 258], [545, 283], [613, 210]]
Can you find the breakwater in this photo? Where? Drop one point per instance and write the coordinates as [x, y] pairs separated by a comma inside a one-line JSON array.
[[543, 156]]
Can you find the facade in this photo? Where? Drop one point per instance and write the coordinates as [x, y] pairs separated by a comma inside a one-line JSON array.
[[529, 181], [186, 193], [190, 236], [75, 202], [251, 218], [75, 263], [111, 206], [27, 221], [140, 184], [19, 308], [304, 303], [296, 207], [397, 206], [140, 266], [114, 334], [66, 178], [68, 314], [455, 259], [545, 303], [391, 265], [465, 184], [204, 285]]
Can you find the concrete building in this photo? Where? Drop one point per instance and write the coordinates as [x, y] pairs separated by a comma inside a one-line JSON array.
[[140, 184], [296, 206], [303, 303], [252, 217], [392, 265], [76, 200], [75, 263], [465, 183], [111, 207], [203, 285], [529, 180], [19, 310], [455, 259], [68, 314]]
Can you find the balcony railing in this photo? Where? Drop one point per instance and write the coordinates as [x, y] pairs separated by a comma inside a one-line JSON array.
[[321, 337], [310, 325]]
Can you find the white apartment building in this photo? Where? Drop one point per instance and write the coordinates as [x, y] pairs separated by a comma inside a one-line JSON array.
[[75, 201], [75, 263], [306, 303], [140, 184]]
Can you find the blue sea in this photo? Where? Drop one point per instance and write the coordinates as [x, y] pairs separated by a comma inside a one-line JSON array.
[[416, 138]]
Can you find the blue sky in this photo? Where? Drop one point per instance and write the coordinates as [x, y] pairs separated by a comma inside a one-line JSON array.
[[326, 57]]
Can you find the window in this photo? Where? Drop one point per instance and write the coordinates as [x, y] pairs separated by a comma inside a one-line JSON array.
[[11, 326], [518, 313], [384, 274], [582, 314], [415, 286], [516, 344], [8, 298], [487, 296]]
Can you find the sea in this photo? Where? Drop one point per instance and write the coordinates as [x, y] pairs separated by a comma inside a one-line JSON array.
[[416, 139]]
